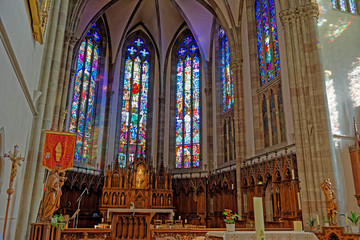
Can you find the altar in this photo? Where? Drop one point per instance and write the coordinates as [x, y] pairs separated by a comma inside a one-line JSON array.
[[270, 235]]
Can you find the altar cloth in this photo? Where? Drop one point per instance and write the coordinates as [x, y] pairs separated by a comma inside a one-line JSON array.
[[269, 235]]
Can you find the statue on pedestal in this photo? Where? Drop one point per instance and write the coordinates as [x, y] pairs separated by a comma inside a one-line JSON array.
[[51, 200], [331, 205]]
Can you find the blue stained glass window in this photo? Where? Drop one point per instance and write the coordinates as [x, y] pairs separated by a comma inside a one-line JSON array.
[[134, 111], [82, 107], [132, 50], [345, 5], [267, 40], [227, 83], [187, 130], [188, 40]]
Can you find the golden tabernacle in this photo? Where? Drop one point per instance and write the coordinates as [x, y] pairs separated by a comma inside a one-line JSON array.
[[136, 187]]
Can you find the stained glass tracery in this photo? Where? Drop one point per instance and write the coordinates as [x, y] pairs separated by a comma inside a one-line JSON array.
[[132, 142], [83, 101], [345, 6], [227, 82], [267, 40], [187, 136]]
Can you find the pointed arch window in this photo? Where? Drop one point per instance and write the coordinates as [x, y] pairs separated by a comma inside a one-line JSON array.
[[134, 104], [83, 100], [227, 82], [187, 104], [267, 40], [351, 6]]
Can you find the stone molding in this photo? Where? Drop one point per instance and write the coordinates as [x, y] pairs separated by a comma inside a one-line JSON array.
[[208, 91], [310, 10], [236, 65]]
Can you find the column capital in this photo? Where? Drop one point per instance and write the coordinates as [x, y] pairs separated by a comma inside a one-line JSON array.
[[236, 64], [309, 10], [161, 99]]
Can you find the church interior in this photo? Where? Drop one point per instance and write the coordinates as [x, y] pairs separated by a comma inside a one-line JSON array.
[[179, 110]]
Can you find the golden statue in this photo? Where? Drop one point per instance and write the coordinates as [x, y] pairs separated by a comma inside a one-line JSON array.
[[331, 205], [51, 200]]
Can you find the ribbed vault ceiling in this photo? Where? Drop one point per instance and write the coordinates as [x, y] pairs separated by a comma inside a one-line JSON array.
[[162, 19]]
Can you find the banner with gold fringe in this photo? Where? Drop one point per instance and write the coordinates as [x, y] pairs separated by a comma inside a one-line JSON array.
[[59, 149]]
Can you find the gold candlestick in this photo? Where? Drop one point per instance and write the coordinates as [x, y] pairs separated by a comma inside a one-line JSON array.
[[16, 161]]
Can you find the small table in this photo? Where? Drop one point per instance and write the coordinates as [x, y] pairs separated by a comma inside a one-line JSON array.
[[269, 235]]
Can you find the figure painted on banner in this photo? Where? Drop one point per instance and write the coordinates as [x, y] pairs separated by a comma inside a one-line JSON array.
[[331, 205], [52, 195]]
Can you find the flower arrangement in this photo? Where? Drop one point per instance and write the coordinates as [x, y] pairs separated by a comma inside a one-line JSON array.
[[58, 220], [354, 218], [311, 222], [230, 216]]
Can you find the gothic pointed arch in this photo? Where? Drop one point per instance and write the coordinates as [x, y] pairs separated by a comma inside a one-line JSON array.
[[134, 114], [87, 95], [186, 101]]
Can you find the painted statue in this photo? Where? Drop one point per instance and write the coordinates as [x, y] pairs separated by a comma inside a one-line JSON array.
[[331, 205]]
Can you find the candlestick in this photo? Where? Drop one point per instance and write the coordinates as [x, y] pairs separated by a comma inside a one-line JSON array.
[[298, 194], [346, 220], [293, 174], [317, 220], [259, 218]]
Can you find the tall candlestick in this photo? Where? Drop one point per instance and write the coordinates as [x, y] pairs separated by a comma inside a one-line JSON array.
[[298, 194], [259, 218], [317, 220], [346, 220]]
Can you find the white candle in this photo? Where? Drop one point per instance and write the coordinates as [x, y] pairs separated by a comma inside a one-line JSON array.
[[293, 174], [185, 221], [179, 217], [232, 186], [259, 218], [298, 194]]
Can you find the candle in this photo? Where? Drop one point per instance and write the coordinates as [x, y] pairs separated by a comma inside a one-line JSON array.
[[317, 220], [293, 174], [179, 217], [298, 194], [346, 220], [259, 218], [297, 226], [232, 186], [185, 221]]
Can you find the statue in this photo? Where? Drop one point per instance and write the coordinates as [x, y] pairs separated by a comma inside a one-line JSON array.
[[331, 205], [51, 199]]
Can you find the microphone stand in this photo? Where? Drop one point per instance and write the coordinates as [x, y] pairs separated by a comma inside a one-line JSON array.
[[79, 201]]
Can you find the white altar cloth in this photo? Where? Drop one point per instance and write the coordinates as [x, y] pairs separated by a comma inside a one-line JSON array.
[[269, 235]]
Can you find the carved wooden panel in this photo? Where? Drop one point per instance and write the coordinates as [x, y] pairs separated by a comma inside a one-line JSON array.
[[335, 233]]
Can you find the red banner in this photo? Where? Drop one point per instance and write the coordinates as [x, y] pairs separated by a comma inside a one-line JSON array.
[[59, 149]]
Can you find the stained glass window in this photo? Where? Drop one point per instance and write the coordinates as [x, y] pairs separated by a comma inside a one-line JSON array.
[[227, 83], [82, 107], [187, 104], [345, 5], [267, 40], [134, 110]]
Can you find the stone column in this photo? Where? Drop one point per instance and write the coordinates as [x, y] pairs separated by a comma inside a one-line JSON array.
[[69, 74], [61, 85], [268, 112], [308, 102], [34, 174], [210, 130], [239, 117], [276, 95], [161, 126]]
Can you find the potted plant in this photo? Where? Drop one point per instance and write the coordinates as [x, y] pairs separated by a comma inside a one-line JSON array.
[[58, 220], [311, 222], [326, 221], [354, 218], [230, 220]]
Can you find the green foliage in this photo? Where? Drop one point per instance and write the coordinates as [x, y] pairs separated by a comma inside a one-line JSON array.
[[311, 222], [354, 218], [325, 219], [58, 220], [230, 216]]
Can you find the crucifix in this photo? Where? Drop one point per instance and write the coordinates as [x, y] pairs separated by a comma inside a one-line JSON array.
[[16, 161]]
